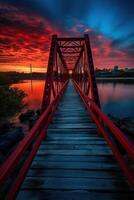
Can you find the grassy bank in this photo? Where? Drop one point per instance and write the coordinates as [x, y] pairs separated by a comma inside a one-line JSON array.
[[6, 79], [11, 101]]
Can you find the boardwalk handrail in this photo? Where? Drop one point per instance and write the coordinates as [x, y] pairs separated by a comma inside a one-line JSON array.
[[13, 160], [112, 134]]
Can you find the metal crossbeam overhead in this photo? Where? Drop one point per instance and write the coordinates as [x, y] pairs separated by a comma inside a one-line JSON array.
[[73, 47], [70, 39], [71, 52], [70, 56]]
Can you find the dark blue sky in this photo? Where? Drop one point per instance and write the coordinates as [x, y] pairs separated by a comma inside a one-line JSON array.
[[113, 21]]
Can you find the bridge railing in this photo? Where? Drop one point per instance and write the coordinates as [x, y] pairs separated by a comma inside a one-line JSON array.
[[29, 145], [121, 146], [14, 169], [85, 84]]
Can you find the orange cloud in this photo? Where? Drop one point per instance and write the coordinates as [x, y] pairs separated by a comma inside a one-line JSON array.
[[26, 39]]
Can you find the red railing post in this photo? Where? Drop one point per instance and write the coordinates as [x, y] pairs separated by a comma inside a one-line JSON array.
[[49, 77], [90, 64]]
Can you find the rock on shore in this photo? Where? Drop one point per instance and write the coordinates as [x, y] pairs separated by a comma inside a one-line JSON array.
[[125, 124]]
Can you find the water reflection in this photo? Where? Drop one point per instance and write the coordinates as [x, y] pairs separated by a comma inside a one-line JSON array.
[[34, 90], [116, 98]]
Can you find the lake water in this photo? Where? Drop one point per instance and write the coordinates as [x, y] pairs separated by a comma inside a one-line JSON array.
[[116, 99], [34, 91]]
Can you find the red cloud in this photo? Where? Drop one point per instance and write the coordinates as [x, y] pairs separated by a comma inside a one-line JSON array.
[[25, 39]]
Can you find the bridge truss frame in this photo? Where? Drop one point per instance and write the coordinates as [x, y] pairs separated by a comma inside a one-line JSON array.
[[69, 57]]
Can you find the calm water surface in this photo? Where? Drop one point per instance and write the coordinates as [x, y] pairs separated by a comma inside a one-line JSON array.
[[116, 99], [34, 91]]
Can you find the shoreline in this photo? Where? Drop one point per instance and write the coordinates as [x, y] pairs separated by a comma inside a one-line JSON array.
[[115, 79], [98, 79]]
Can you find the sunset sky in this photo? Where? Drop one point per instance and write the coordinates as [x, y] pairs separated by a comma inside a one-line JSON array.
[[26, 27]]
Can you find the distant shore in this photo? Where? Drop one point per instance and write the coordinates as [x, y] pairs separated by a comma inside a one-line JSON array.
[[98, 79], [8, 78], [115, 79]]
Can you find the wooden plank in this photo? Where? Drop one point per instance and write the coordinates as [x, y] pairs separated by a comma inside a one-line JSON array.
[[74, 146], [72, 115], [74, 184], [68, 121], [78, 117], [78, 142], [70, 134], [90, 130], [78, 158], [76, 152], [76, 130], [73, 135], [42, 164], [75, 120], [75, 173], [78, 126], [73, 195], [66, 110], [64, 138], [81, 113]]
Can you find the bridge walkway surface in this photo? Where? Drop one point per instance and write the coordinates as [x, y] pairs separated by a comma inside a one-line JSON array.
[[74, 162]]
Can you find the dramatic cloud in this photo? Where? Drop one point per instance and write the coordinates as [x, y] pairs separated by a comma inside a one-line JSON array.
[[27, 26]]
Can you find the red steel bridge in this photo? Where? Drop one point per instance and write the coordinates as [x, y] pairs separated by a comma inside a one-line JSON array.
[[74, 151]]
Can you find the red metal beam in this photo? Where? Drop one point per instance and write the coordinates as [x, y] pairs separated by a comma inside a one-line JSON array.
[[102, 121], [61, 57], [71, 39], [90, 63], [48, 84], [71, 52], [71, 47], [78, 59]]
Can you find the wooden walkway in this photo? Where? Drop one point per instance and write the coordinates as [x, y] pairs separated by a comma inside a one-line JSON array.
[[74, 162]]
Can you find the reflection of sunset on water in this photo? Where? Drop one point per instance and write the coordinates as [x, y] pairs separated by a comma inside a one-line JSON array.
[[34, 91], [117, 99], [112, 92]]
